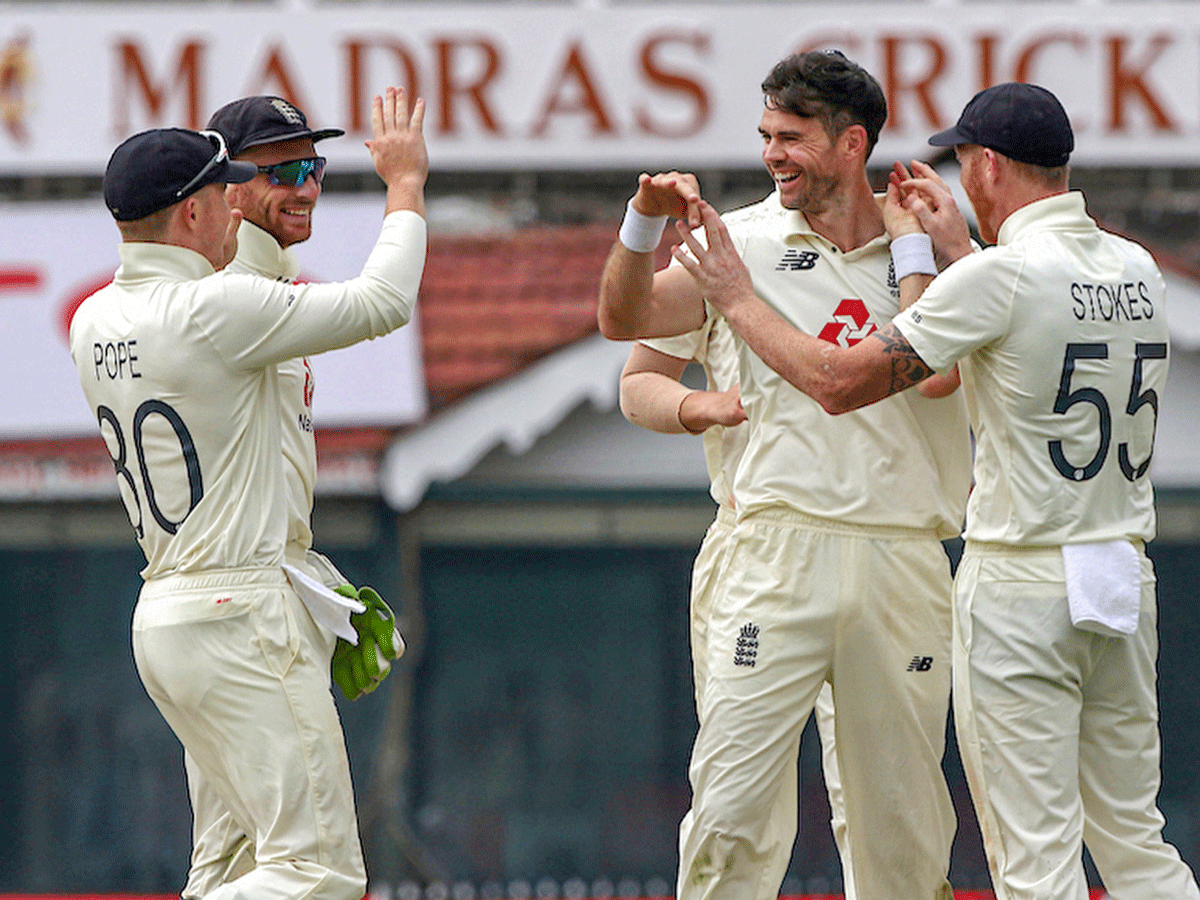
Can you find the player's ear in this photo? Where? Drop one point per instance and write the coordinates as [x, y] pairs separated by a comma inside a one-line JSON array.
[[853, 140]]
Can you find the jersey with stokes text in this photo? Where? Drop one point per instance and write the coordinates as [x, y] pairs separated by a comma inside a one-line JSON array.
[[904, 462], [179, 364], [711, 346], [259, 253], [1063, 445]]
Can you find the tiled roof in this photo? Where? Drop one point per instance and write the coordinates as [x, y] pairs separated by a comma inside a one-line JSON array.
[[490, 305]]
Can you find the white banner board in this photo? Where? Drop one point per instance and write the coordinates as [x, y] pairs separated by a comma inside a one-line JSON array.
[[520, 85], [52, 255]]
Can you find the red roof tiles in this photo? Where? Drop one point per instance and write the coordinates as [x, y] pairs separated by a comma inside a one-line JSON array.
[[490, 305]]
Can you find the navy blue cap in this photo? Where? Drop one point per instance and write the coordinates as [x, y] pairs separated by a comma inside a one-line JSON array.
[[263, 119], [1024, 122], [158, 168]]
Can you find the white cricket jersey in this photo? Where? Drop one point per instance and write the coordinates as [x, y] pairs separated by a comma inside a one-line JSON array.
[[1061, 335], [904, 462], [259, 253], [711, 346], [180, 365]]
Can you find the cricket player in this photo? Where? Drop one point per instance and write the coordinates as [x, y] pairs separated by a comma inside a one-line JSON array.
[[653, 397], [1060, 334], [276, 207], [179, 360], [834, 570]]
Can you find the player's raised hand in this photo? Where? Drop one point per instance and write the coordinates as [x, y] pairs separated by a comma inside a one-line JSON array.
[[931, 201], [898, 216], [398, 149], [718, 269], [674, 194]]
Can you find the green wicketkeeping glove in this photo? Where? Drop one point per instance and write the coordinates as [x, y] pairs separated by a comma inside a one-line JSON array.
[[358, 670]]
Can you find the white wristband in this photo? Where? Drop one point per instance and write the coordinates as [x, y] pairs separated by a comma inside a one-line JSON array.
[[641, 233], [912, 254]]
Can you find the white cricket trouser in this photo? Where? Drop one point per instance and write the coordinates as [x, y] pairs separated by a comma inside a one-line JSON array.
[[783, 817], [240, 672], [798, 601], [1058, 733]]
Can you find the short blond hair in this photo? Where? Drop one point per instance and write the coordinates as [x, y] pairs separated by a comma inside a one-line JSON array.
[[153, 227]]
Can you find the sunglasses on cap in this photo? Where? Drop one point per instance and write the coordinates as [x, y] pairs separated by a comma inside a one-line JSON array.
[[295, 172], [221, 154]]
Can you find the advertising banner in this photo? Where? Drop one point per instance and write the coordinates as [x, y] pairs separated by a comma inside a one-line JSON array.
[[52, 255], [521, 85]]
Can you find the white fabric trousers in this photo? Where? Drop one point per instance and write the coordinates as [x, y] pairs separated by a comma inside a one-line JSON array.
[[1058, 733], [797, 602], [240, 672], [782, 821]]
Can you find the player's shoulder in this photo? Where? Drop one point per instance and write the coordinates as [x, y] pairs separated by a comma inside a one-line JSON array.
[[758, 212]]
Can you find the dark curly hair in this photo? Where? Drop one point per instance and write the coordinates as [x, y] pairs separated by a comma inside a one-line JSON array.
[[825, 85]]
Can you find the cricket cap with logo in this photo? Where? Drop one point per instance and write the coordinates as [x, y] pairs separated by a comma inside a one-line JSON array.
[[263, 119], [1024, 122], [163, 166]]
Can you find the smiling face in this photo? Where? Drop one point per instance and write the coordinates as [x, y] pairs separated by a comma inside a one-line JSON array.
[[801, 159], [282, 210]]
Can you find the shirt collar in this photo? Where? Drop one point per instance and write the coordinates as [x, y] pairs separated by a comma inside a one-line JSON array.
[[796, 224], [1050, 213], [143, 259], [259, 252]]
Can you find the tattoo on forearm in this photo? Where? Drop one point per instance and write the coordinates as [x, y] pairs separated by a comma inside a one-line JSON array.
[[907, 366]]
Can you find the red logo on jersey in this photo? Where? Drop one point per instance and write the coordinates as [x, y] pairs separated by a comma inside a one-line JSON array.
[[851, 323], [308, 384]]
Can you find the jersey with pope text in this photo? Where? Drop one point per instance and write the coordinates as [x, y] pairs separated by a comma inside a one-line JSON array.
[[180, 366], [1061, 336], [904, 462]]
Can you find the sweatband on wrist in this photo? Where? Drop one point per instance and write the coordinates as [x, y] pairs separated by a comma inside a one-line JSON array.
[[641, 233], [912, 254]]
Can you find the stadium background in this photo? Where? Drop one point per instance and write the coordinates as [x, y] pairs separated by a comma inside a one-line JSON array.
[[534, 740]]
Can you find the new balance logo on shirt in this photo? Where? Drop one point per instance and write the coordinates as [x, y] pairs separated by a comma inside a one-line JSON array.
[[920, 664], [796, 260]]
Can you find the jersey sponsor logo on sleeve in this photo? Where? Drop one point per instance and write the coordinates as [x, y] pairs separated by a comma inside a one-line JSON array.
[[797, 261], [851, 323]]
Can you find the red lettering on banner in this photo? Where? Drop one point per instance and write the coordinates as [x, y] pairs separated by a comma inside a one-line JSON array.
[[359, 96], [20, 278], [897, 85], [575, 70], [134, 80], [1125, 80], [465, 78], [449, 88], [986, 44], [676, 82], [275, 71]]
